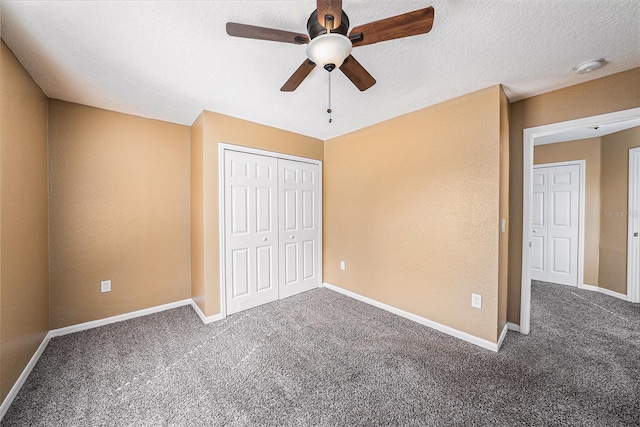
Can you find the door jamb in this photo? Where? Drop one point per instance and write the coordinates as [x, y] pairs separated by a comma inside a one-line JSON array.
[[581, 212], [633, 244], [529, 137], [222, 147]]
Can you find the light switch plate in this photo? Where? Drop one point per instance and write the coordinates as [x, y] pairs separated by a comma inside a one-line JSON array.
[[343, 265]]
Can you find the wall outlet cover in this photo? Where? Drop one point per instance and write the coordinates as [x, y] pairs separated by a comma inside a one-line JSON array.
[[343, 265], [476, 301], [105, 286]]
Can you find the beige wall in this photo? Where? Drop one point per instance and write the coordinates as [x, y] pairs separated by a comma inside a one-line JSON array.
[[614, 205], [24, 278], [609, 94], [211, 129], [588, 150], [118, 210], [412, 206]]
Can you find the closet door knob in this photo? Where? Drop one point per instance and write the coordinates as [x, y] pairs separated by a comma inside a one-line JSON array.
[[292, 237], [264, 239]]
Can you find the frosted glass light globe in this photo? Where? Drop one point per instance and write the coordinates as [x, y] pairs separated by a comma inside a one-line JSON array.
[[329, 50]]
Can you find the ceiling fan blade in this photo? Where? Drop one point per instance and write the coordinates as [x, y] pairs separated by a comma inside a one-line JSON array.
[[298, 76], [331, 8], [405, 25], [261, 33], [357, 74]]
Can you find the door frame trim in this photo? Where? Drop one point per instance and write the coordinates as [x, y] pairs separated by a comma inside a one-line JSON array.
[[582, 165], [633, 245], [222, 147], [529, 137]]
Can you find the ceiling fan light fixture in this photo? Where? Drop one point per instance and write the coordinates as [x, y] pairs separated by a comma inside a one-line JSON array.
[[329, 50]]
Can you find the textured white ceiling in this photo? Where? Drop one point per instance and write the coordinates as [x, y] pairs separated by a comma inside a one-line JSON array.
[[170, 60]]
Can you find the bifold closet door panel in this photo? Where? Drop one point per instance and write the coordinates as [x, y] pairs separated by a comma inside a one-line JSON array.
[[299, 212], [251, 230]]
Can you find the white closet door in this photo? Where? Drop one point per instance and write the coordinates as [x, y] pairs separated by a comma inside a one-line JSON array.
[[251, 230], [299, 202], [555, 224]]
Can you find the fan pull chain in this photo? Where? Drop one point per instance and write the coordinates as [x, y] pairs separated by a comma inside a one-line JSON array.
[[329, 109]]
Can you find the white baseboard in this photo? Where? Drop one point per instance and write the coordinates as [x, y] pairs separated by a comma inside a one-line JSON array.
[[513, 327], [604, 291], [6, 403], [119, 318], [423, 321], [502, 335], [205, 319], [89, 325]]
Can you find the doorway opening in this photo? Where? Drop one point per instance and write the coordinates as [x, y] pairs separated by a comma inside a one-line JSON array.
[[558, 132]]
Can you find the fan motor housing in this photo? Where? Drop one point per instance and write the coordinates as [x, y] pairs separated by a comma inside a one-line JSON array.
[[315, 29]]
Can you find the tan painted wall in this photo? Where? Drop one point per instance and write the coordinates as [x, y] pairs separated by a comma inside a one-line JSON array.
[[218, 128], [615, 201], [609, 94], [24, 278], [588, 150], [503, 247], [118, 210], [412, 206]]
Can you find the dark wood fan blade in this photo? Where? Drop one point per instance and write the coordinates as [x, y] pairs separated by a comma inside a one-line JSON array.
[[332, 8], [405, 25], [357, 74], [300, 74], [261, 33]]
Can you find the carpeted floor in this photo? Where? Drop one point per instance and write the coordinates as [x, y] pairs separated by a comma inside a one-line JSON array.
[[321, 358]]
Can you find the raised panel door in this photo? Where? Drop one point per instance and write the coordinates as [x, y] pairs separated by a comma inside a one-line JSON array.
[[251, 230], [299, 190]]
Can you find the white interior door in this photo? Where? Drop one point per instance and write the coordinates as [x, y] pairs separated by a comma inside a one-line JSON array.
[[299, 201], [555, 224], [272, 224], [251, 230], [539, 225], [633, 227]]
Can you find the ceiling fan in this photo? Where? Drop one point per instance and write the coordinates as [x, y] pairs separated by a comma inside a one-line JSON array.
[[329, 46]]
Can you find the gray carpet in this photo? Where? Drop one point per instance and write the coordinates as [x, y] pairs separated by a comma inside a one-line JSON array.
[[321, 358]]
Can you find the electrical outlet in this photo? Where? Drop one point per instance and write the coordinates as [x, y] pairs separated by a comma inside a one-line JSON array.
[[105, 286], [343, 265], [476, 301]]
